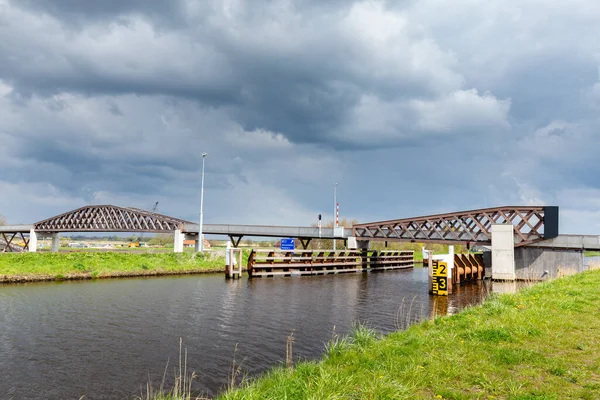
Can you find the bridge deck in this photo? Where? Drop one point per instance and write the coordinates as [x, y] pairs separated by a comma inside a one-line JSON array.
[[16, 228], [300, 232]]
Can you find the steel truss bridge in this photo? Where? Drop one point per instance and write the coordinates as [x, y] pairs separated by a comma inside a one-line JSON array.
[[109, 219], [533, 225]]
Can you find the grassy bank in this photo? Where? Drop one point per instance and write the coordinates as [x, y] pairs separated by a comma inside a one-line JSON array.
[[24, 267], [541, 343]]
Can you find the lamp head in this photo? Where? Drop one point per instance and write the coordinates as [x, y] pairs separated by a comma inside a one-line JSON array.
[[204, 154]]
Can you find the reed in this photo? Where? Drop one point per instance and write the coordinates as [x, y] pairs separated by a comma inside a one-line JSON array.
[[235, 371], [182, 386], [289, 350]]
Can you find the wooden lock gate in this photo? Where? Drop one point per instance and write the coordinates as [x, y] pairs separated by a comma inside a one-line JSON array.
[[268, 263], [468, 267]]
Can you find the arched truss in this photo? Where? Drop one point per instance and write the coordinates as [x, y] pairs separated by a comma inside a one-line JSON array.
[[109, 218]]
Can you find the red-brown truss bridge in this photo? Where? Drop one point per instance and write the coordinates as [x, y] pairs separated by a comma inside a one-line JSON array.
[[532, 224]]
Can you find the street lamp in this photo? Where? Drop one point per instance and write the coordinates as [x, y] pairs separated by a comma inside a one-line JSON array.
[[200, 238], [334, 211]]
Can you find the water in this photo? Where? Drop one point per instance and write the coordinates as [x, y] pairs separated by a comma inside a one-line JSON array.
[[105, 339]]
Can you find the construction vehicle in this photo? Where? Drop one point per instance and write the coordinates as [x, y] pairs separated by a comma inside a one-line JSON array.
[[139, 243]]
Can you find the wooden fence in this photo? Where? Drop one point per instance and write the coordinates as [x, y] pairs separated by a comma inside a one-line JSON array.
[[266, 263]]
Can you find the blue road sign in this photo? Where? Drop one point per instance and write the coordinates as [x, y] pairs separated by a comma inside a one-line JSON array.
[[287, 244]]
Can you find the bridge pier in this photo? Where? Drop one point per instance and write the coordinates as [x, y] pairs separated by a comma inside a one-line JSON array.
[[32, 246], [503, 252], [55, 242], [178, 239]]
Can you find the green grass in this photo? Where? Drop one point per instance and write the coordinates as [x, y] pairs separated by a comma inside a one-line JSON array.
[[541, 343], [591, 253], [103, 264]]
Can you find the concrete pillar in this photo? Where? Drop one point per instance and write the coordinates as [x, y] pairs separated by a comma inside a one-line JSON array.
[[197, 247], [503, 252], [32, 241], [55, 242], [354, 244], [178, 241]]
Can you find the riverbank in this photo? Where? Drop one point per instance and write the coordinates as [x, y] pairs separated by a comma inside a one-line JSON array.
[[539, 343], [37, 267]]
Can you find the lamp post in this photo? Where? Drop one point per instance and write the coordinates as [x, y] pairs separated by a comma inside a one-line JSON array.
[[334, 211], [200, 237]]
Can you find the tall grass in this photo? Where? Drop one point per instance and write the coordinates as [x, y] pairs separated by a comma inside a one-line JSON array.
[[182, 388]]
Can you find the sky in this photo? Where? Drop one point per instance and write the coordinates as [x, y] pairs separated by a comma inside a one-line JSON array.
[[413, 107]]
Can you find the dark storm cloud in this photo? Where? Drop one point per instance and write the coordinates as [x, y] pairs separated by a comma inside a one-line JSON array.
[[77, 12], [559, 82], [304, 84], [482, 103]]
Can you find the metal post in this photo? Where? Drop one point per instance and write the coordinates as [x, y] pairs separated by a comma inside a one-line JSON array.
[[319, 226], [200, 238], [334, 211]]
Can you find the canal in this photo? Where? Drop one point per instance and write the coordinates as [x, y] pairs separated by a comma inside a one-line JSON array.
[[106, 339]]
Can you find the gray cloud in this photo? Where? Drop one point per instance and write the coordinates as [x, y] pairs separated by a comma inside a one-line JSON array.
[[409, 111]]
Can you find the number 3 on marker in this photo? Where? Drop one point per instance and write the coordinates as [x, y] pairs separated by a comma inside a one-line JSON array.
[[442, 284]]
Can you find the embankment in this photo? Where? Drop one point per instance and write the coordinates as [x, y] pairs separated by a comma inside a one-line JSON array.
[[541, 343], [32, 267]]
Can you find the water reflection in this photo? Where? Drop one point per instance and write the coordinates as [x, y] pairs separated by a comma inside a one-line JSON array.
[[104, 339]]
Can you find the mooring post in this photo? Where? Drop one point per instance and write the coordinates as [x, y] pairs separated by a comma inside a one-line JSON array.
[[233, 262], [228, 261], [430, 270], [364, 255]]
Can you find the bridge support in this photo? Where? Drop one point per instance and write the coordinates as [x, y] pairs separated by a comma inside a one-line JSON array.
[[352, 243], [178, 239], [235, 242], [503, 252], [533, 263], [55, 242], [305, 242], [32, 241]]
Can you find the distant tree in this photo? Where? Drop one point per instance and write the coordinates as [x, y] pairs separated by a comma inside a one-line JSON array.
[[161, 239], [2, 220]]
